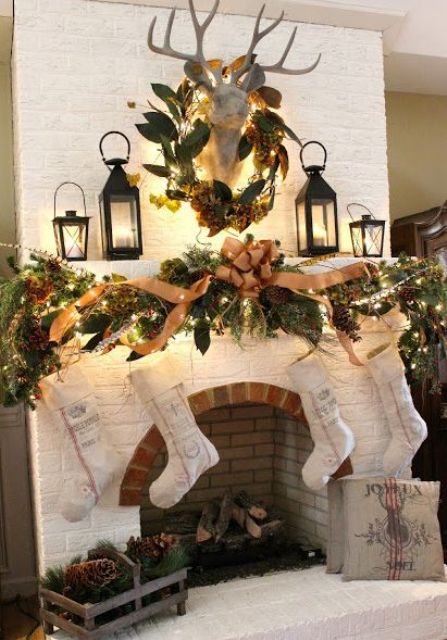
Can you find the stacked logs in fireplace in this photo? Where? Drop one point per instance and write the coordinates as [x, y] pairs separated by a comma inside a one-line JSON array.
[[233, 529]]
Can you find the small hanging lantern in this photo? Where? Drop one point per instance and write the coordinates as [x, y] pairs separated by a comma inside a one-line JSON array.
[[120, 210], [367, 234], [71, 230], [316, 211]]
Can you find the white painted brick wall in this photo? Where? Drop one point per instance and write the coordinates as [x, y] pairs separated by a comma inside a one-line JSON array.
[[77, 62]]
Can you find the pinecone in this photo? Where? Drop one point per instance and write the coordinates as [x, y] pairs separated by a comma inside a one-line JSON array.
[[407, 294], [343, 321], [275, 295], [54, 264], [92, 573], [36, 338], [150, 546]]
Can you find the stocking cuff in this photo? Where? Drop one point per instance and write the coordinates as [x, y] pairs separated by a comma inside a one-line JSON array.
[[385, 364], [307, 374], [62, 389], [163, 372]]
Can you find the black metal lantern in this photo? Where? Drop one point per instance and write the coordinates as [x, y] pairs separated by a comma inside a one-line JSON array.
[[120, 210], [316, 211], [367, 234], [71, 230]]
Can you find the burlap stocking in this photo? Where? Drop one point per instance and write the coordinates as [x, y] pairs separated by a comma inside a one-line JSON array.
[[190, 453], [408, 430], [88, 463], [333, 439]]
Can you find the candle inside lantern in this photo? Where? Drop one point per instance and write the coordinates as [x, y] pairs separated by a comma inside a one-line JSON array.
[[123, 237], [319, 235]]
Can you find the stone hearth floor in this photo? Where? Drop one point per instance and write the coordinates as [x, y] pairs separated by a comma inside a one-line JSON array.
[[304, 605]]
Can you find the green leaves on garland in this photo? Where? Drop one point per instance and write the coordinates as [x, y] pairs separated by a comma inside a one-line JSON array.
[[202, 336]]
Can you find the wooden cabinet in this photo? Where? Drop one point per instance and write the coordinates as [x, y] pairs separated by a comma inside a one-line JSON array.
[[424, 234]]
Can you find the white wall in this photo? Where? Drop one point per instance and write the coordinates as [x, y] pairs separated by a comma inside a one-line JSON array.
[[417, 139], [76, 64], [7, 221]]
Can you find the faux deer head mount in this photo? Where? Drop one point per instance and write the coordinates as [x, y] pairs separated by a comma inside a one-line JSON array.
[[228, 88]]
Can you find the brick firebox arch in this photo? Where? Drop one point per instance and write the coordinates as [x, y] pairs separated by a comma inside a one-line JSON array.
[[152, 443]]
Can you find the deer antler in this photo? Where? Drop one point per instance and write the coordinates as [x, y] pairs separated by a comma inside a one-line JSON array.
[[197, 57], [275, 68]]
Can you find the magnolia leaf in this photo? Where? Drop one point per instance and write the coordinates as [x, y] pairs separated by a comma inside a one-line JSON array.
[[177, 194], [93, 342], [164, 92], [272, 200], [168, 153], [222, 191], [95, 324], [183, 153], [202, 338], [47, 320], [273, 168], [168, 96], [245, 147], [283, 161], [265, 124], [158, 124], [134, 356], [116, 277], [292, 135], [158, 170], [272, 97], [198, 137], [252, 192]]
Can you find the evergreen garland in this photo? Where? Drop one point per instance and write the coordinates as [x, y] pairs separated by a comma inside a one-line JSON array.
[[31, 300]]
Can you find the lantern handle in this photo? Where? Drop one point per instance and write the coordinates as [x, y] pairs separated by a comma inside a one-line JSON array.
[[62, 184], [118, 133], [359, 204], [306, 145]]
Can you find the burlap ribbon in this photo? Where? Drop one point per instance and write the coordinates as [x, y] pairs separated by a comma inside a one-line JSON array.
[[250, 271]]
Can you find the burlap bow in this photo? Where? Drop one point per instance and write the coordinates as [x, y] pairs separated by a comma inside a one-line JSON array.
[[251, 267], [250, 271]]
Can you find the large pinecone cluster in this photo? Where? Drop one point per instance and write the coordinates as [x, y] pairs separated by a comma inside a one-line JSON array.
[[343, 321], [406, 294], [275, 295], [154, 547], [92, 573], [35, 339]]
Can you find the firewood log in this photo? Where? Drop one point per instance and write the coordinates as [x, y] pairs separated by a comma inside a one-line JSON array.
[[254, 509], [206, 527], [224, 517], [245, 521]]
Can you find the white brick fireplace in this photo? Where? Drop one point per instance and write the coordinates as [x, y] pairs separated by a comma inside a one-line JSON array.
[[75, 64]]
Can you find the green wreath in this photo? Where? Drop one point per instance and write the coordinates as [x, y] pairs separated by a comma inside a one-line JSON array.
[[184, 133]]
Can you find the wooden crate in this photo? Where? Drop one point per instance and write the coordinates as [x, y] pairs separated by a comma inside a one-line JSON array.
[[89, 628]]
